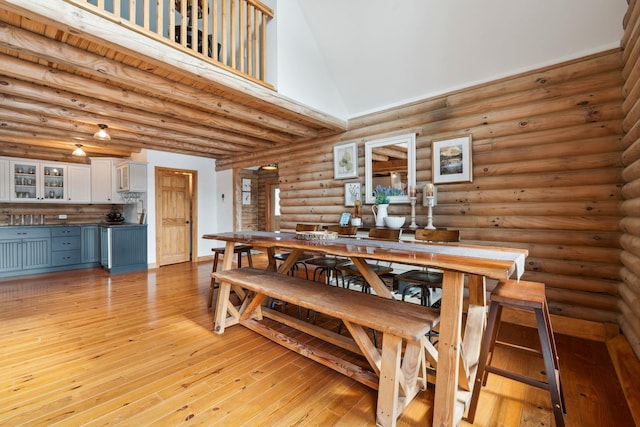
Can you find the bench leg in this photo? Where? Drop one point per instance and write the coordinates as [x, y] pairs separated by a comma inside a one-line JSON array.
[[213, 281], [220, 315], [389, 386]]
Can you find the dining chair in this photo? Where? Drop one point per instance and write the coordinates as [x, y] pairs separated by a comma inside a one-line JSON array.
[[351, 273], [282, 256], [328, 265], [422, 282]]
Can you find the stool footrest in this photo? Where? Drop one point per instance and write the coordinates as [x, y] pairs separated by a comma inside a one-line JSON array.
[[517, 377]]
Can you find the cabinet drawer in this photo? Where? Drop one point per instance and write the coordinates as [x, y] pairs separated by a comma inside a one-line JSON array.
[[65, 231], [24, 232], [65, 243], [65, 257]]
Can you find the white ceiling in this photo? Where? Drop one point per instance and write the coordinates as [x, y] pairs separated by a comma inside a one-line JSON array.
[[381, 53]]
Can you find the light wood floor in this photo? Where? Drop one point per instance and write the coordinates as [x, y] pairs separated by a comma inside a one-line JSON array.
[[86, 348]]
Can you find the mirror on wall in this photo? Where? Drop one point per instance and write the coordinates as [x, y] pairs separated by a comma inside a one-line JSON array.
[[390, 162]]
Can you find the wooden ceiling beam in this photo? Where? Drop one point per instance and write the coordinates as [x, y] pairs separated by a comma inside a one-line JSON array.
[[13, 139], [393, 152], [42, 141], [71, 19], [42, 152], [140, 121], [76, 121], [99, 67], [15, 130], [60, 80], [44, 135]]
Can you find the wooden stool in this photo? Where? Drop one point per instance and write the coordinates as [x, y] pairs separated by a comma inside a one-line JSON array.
[[526, 296], [238, 249]]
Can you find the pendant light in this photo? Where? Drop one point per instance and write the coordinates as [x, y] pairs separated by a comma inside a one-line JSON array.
[[102, 134], [270, 167], [79, 151]]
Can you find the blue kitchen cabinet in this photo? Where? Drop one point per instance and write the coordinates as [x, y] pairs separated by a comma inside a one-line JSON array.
[[90, 244], [123, 247], [24, 249], [65, 245]]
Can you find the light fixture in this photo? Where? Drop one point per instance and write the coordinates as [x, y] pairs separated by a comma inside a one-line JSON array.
[[270, 167], [102, 134], [79, 151]]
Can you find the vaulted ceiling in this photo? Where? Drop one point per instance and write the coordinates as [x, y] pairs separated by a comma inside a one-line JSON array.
[[381, 53], [58, 81], [63, 70]]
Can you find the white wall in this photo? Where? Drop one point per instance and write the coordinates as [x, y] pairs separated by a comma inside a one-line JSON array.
[[224, 213], [208, 204], [302, 73]]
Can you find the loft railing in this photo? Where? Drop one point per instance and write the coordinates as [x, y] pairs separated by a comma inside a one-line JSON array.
[[231, 33]]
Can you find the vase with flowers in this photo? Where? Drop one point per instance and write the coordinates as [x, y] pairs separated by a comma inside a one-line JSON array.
[[382, 199]]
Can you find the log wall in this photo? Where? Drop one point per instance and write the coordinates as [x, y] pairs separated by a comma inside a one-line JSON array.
[[547, 170], [250, 212], [629, 288]]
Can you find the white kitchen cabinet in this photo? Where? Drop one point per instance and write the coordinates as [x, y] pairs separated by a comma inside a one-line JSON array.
[[104, 182], [132, 177], [79, 183], [5, 179], [37, 181]]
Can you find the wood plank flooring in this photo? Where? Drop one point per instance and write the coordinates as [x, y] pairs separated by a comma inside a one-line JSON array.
[[86, 348]]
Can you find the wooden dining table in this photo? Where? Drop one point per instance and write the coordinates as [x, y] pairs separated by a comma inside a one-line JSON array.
[[456, 359]]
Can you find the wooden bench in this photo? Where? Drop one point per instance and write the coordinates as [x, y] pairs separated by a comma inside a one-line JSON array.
[[398, 370]]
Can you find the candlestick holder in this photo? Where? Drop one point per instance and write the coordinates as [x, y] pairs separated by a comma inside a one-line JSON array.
[[430, 203], [413, 212]]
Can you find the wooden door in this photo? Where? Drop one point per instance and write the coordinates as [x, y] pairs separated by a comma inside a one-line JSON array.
[[272, 208], [174, 207]]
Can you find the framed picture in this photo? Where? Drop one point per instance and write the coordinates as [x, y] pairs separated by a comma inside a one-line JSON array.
[[452, 160], [246, 184], [352, 193], [246, 198], [345, 161]]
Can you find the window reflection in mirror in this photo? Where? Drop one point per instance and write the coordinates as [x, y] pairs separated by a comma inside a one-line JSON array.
[[390, 162]]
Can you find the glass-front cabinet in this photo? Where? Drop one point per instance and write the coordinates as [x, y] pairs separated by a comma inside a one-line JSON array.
[[38, 181]]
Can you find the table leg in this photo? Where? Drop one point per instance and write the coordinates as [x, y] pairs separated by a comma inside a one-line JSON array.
[[372, 278], [285, 267], [272, 262], [477, 290], [449, 345]]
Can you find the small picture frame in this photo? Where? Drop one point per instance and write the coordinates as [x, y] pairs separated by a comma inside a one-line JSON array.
[[246, 184], [452, 160], [246, 198], [345, 161], [344, 219], [352, 192]]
